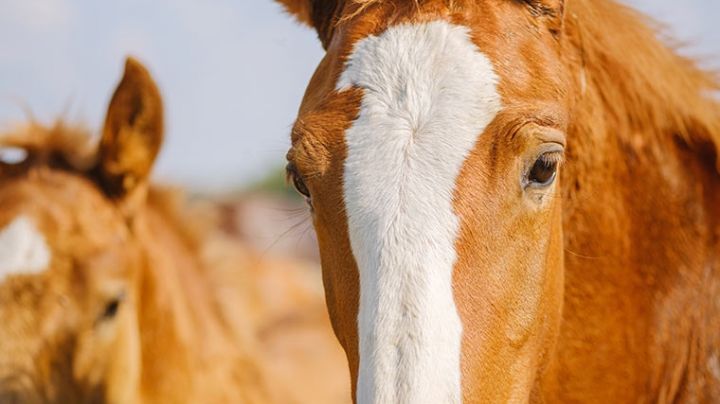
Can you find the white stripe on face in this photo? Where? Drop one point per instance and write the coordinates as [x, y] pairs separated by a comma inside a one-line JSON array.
[[22, 249], [428, 94]]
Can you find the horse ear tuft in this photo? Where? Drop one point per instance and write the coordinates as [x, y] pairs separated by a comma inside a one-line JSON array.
[[133, 132]]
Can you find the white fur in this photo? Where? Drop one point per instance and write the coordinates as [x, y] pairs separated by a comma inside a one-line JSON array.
[[23, 249], [428, 94]]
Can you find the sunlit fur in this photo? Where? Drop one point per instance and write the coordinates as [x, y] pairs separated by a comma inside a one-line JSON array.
[[602, 287]]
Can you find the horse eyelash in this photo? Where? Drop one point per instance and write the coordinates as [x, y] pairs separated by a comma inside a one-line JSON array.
[[551, 158]]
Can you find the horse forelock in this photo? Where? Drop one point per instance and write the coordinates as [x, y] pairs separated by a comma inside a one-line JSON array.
[[69, 145]]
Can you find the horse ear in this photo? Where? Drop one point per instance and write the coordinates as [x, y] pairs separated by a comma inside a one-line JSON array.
[[133, 132], [318, 14]]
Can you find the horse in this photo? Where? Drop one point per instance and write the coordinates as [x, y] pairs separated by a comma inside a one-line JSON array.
[[515, 201], [102, 296], [115, 290]]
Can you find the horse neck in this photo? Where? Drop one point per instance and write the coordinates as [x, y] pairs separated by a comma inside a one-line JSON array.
[[187, 347], [645, 131], [641, 214]]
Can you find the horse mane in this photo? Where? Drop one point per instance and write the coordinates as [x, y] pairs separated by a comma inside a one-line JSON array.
[[645, 86]]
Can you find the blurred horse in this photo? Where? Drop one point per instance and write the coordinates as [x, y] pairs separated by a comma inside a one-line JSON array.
[[515, 200], [112, 291]]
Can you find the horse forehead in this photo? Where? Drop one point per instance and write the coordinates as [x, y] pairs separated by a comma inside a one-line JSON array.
[[428, 91], [23, 248]]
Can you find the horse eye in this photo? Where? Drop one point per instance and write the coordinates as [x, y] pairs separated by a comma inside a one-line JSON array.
[[300, 186], [297, 180], [544, 170], [111, 308]]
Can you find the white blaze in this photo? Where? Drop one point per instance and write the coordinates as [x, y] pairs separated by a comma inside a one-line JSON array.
[[428, 94], [22, 248]]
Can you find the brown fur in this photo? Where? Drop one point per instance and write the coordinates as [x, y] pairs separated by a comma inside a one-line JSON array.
[[610, 291]]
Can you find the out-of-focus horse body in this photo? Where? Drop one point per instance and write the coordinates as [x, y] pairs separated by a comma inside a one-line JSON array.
[[112, 290]]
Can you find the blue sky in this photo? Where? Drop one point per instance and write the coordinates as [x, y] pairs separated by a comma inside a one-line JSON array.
[[232, 71]]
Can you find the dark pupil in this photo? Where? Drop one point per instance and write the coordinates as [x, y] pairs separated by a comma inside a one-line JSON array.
[[543, 171], [111, 309], [300, 186]]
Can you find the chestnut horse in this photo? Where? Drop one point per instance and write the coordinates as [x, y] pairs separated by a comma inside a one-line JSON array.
[[110, 291], [459, 262], [102, 298]]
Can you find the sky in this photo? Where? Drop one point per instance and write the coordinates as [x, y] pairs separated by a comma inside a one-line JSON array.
[[232, 72]]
